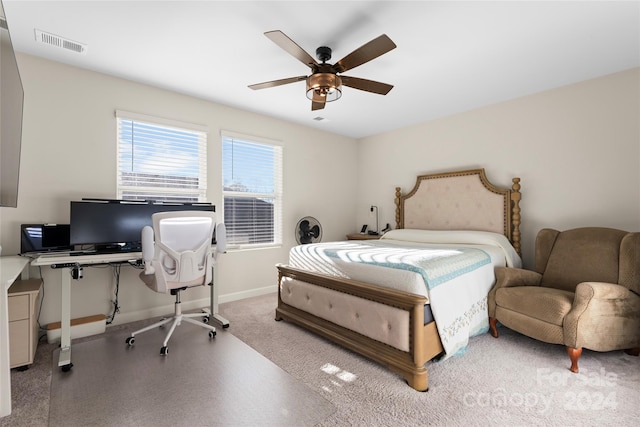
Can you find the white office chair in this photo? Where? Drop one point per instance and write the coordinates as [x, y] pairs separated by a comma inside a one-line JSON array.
[[179, 258]]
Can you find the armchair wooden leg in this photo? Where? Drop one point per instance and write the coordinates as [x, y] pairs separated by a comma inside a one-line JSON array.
[[574, 355], [633, 351], [493, 326]]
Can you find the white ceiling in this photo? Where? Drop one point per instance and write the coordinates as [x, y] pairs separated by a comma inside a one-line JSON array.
[[451, 56]]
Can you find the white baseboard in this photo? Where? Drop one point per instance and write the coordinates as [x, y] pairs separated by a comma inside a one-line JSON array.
[[164, 310], [247, 294]]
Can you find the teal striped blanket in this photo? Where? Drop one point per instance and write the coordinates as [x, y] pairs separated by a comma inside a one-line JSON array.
[[436, 266], [457, 280]]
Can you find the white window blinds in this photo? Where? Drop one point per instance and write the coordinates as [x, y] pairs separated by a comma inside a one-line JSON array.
[[160, 159], [252, 190]]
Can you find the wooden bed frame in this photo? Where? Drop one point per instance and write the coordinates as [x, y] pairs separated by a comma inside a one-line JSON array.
[[461, 200]]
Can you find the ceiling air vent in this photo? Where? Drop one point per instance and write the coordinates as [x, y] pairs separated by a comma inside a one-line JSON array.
[[61, 42]]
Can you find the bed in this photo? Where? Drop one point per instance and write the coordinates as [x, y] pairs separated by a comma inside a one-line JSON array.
[[420, 290]]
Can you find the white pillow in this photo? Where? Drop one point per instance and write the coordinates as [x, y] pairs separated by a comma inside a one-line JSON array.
[[458, 237]]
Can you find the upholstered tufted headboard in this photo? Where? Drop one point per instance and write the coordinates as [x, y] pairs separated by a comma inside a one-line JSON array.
[[461, 200]]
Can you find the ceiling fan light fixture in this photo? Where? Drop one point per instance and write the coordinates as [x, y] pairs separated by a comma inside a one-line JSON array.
[[327, 85], [324, 85]]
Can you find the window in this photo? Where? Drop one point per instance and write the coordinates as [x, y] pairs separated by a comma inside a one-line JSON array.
[[252, 190], [160, 159]]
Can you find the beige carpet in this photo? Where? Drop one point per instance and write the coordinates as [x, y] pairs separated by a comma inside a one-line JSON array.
[[510, 381]]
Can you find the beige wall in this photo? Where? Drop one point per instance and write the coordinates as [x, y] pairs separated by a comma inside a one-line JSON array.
[[69, 152], [576, 149]]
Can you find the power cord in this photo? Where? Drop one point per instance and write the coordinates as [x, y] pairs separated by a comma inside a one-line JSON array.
[[116, 307]]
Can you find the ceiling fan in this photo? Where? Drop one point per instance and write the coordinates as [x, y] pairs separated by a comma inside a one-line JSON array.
[[326, 80]]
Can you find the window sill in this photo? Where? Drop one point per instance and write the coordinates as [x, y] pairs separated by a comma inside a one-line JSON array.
[[252, 248]]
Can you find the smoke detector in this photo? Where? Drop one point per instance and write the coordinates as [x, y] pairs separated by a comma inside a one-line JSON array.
[[60, 42]]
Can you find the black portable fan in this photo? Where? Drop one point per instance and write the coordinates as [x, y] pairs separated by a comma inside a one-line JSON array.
[[308, 230]]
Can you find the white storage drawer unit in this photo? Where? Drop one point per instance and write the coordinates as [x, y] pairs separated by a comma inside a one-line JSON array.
[[23, 298]]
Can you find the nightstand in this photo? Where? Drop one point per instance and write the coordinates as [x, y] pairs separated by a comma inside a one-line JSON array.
[[358, 236]]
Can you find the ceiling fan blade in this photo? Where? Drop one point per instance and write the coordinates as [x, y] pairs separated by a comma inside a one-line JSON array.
[[365, 53], [318, 102], [366, 85], [281, 39], [280, 82]]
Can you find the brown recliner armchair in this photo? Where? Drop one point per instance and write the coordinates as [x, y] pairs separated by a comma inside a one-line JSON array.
[[584, 292]]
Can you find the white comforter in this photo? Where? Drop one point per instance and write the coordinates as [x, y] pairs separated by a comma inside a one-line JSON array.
[[406, 259]]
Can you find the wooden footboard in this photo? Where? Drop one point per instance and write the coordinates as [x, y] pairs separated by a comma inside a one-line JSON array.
[[422, 341]]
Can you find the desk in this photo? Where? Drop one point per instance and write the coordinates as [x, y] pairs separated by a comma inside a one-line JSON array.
[[74, 263], [11, 268], [64, 263]]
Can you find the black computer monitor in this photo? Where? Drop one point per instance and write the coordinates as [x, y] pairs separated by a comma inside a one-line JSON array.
[[112, 226]]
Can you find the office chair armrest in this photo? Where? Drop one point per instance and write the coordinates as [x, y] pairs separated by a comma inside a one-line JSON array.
[[221, 240], [148, 249]]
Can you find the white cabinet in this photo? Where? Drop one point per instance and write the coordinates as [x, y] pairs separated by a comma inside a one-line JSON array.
[[23, 301]]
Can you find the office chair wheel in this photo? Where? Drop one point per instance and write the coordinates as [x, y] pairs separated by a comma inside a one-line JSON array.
[[67, 367], [164, 351], [205, 319], [212, 334], [162, 326], [130, 340]]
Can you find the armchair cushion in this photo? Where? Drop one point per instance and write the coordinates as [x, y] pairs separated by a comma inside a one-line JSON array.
[[581, 255], [508, 277], [546, 304]]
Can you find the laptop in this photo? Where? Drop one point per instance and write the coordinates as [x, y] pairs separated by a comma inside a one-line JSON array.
[[44, 238]]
